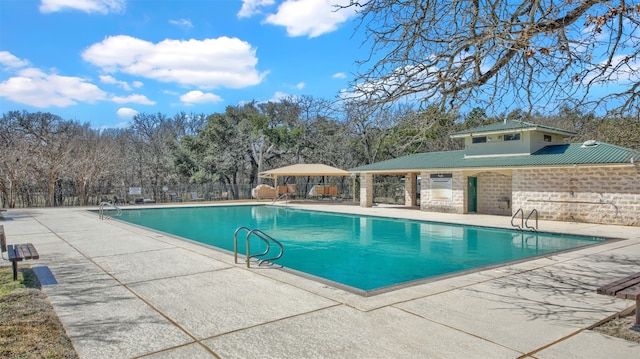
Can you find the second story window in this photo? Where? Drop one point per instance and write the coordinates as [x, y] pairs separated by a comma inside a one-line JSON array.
[[512, 137], [482, 139]]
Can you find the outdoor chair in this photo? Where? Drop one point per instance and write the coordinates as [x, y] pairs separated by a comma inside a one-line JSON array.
[[288, 190], [194, 197]]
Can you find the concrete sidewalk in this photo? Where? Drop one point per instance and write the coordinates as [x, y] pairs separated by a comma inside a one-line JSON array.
[[123, 291]]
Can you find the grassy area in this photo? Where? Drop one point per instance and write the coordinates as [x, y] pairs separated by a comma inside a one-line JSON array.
[[29, 327]]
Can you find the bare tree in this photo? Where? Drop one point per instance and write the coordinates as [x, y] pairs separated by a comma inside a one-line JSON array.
[[312, 112], [49, 149], [370, 128], [422, 131], [498, 54], [95, 159], [14, 173], [154, 138]]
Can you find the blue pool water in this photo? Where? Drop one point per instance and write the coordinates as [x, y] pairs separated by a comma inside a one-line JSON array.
[[363, 252]]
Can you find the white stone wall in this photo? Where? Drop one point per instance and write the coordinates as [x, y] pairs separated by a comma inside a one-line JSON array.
[[366, 190], [410, 189], [494, 193], [458, 202], [608, 195]]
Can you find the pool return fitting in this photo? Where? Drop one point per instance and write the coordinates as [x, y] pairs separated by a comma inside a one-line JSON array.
[[267, 239]]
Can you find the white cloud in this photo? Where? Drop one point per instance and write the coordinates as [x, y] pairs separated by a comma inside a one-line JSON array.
[[170, 92], [126, 113], [183, 23], [310, 17], [339, 75], [278, 96], [252, 7], [300, 85], [9, 60], [35, 88], [193, 97], [135, 98], [208, 63], [108, 79], [626, 69], [88, 6]]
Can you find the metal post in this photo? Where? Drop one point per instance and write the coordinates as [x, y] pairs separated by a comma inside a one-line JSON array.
[[248, 255], [637, 325]]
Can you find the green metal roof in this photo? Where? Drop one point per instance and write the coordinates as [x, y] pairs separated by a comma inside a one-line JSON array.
[[508, 126], [554, 155]]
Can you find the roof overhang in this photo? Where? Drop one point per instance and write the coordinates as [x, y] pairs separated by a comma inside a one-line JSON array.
[[304, 169], [515, 130], [504, 170]]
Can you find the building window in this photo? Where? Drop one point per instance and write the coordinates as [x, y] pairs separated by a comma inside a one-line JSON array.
[[482, 139], [512, 137], [547, 138]]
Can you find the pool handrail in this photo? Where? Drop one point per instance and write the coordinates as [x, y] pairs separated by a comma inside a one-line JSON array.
[[514, 216], [261, 235], [105, 203], [235, 245], [526, 222], [266, 238], [249, 255], [235, 242]]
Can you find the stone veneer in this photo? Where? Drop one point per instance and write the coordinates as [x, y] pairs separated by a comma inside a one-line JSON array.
[[366, 190], [410, 188], [458, 201], [604, 194], [494, 193], [608, 195]]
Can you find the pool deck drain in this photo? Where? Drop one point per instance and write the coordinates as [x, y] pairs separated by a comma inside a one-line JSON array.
[[122, 291]]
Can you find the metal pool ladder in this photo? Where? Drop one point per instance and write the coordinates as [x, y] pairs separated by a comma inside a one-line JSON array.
[[525, 222], [103, 204], [267, 239]]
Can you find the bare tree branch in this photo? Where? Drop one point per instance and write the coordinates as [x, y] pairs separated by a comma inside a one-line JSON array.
[[503, 54]]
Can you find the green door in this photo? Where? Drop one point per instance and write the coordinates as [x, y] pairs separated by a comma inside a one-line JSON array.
[[472, 194]]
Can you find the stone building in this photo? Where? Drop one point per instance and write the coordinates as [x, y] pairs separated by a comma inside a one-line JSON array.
[[511, 166]]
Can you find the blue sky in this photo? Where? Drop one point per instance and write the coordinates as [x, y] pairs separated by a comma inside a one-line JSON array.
[[102, 61]]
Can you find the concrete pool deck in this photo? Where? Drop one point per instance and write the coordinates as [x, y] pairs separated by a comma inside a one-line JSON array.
[[122, 291]]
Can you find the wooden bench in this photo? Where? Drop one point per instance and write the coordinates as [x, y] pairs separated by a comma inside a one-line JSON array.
[[625, 288], [326, 191], [16, 252]]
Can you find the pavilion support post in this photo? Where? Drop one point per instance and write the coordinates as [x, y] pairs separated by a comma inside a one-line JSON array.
[[353, 186], [366, 190], [410, 187]]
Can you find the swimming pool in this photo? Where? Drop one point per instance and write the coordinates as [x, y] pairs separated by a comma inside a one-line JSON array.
[[363, 252]]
